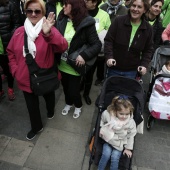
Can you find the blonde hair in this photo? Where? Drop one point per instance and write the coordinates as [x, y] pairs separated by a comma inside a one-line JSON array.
[[118, 102], [41, 2]]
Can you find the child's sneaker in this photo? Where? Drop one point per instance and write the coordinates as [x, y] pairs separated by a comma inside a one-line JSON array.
[[11, 95], [2, 95]]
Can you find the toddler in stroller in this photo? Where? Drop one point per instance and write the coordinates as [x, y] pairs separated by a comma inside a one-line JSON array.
[[118, 129], [165, 68], [159, 105], [117, 86]]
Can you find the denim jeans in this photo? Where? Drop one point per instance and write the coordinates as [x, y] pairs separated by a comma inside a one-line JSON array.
[[130, 74], [109, 153]]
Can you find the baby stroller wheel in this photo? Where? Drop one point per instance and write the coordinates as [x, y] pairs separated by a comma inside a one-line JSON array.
[[150, 122]]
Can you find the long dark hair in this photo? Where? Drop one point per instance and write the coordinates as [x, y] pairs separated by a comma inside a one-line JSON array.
[[4, 2], [154, 2], [78, 11]]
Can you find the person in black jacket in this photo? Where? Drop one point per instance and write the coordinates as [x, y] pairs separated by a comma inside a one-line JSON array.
[[128, 43], [102, 25], [53, 6], [78, 28], [153, 17], [9, 21], [20, 8]]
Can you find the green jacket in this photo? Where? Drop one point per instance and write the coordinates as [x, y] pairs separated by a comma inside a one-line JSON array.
[[166, 13], [102, 21]]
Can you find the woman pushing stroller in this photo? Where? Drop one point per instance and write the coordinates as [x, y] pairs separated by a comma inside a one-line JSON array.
[[118, 129], [128, 45]]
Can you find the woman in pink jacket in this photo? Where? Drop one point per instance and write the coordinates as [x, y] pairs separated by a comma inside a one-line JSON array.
[[43, 41], [166, 35]]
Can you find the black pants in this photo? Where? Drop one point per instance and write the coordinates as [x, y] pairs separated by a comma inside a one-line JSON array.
[[32, 102], [71, 88], [4, 64], [88, 78]]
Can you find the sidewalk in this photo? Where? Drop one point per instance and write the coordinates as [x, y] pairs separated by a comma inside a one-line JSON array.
[[63, 144]]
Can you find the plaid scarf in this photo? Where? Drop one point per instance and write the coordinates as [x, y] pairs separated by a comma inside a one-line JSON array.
[[112, 9]]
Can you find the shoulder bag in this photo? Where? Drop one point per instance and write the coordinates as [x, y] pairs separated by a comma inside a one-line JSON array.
[[82, 70], [42, 80]]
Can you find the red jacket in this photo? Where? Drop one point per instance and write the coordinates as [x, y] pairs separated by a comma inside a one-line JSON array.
[[45, 48]]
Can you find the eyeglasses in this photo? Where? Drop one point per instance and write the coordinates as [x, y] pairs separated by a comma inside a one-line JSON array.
[[30, 11]]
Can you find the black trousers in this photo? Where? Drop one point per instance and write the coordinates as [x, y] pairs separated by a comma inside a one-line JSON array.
[[71, 88], [32, 102], [4, 64], [88, 78]]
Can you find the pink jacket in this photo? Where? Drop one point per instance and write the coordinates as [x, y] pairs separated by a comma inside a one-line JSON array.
[[45, 46], [166, 33]]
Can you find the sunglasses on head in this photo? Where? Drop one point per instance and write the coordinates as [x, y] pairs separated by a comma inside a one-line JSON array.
[[30, 11]]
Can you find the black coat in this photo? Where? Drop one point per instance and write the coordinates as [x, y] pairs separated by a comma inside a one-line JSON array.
[[85, 34], [50, 7], [117, 40], [157, 32], [20, 8], [9, 21]]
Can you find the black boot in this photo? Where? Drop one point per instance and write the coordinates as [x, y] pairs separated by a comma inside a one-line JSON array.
[[87, 99]]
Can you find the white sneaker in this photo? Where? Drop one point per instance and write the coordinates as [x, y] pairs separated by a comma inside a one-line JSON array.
[[66, 109], [76, 113]]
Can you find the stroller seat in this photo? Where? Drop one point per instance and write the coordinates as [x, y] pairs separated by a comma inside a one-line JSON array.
[[114, 86]]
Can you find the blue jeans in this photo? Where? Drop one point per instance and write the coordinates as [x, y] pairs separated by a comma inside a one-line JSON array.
[[109, 152], [130, 74]]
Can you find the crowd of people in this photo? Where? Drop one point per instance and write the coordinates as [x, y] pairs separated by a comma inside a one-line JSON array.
[[121, 36]]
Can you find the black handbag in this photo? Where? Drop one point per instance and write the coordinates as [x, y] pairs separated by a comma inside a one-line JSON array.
[[82, 70], [42, 80]]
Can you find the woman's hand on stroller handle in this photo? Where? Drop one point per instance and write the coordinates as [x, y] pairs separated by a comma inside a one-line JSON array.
[[111, 62], [141, 70]]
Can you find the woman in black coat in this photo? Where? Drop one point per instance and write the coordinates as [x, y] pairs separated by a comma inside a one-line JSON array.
[[8, 23], [129, 43], [78, 28], [153, 17]]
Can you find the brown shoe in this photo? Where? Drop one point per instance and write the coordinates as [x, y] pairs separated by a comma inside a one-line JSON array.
[[11, 95]]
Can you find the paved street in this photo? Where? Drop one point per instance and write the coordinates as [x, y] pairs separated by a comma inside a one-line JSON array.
[[63, 144]]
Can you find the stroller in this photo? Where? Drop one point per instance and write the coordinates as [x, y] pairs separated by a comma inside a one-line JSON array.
[[114, 86], [159, 92]]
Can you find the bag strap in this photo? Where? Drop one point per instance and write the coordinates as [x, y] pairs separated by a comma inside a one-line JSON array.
[[32, 65], [26, 43]]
